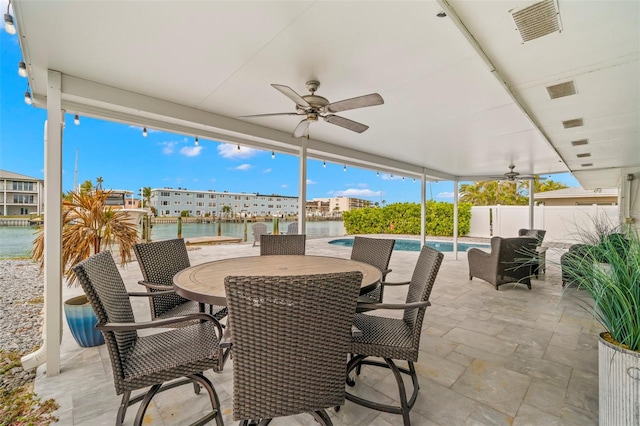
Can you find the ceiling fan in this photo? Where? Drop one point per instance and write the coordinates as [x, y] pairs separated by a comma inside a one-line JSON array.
[[313, 107], [512, 175]]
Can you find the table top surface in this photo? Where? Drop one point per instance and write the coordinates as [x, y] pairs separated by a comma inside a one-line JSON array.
[[205, 282]]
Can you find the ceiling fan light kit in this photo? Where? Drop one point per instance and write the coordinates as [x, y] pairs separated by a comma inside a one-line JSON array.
[[313, 106]]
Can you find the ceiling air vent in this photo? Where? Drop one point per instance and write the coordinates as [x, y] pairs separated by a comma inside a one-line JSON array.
[[561, 90], [587, 164], [576, 122], [585, 155], [537, 20], [580, 142]]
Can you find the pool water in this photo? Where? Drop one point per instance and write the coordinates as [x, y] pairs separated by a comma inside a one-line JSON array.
[[414, 245]]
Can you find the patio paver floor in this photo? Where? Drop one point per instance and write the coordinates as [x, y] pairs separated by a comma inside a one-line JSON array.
[[513, 356]]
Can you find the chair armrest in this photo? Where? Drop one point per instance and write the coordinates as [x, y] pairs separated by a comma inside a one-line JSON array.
[[155, 286], [225, 340], [129, 326], [413, 305], [154, 294], [398, 283], [355, 331]]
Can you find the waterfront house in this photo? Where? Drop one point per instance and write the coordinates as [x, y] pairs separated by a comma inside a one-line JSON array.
[[21, 194]]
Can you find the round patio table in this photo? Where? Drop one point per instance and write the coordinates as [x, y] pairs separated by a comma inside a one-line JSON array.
[[204, 283]]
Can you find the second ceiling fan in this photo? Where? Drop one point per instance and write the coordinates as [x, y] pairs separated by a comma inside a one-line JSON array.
[[314, 107], [512, 176]]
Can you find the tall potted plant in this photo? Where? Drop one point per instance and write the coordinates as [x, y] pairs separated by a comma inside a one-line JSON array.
[[609, 270], [88, 226]]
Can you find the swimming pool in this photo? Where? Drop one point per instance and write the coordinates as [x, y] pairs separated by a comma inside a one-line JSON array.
[[414, 245]]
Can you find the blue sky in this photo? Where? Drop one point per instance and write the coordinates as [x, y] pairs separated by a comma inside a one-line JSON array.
[[127, 160]]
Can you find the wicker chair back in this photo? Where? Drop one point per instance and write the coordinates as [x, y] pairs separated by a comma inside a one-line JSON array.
[[291, 336], [103, 285], [159, 261], [284, 245]]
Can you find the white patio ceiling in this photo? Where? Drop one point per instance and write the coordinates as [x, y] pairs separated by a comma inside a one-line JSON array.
[[194, 67]]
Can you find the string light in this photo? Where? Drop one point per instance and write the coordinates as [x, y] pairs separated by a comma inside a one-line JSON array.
[[22, 69], [324, 164], [414, 180], [197, 142], [238, 147], [144, 132], [377, 173], [273, 155], [76, 120], [27, 98], [8, 22], [403, 178], [345, 168]]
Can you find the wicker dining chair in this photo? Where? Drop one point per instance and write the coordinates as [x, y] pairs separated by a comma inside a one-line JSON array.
[[396, 339], [376, 252], [159, 261], [149, 361], [289, 338], [287, 245]]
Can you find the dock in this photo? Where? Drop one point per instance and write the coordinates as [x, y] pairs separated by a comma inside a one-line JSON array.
[[211, 240]]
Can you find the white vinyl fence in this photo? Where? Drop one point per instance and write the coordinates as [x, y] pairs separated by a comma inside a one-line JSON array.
[[562, 223]]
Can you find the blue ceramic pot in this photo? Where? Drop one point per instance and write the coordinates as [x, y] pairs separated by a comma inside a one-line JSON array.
[[82, 322]]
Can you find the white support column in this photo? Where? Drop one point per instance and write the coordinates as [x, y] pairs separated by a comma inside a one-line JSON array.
[[423, 210], [455, 219], [302, 196], [4, 198], [531, 191], [53, 224]]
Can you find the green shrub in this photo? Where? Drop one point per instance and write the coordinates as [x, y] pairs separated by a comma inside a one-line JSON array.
[[404, 218]]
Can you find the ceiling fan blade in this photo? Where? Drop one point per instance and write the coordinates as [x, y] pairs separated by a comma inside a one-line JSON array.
[[346, 123], [291, 94], [301, 129], [270, 115], [353, 103]]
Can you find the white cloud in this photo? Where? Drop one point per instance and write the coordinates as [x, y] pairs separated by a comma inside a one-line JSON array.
[[231, 151], [168, 147], [266, 171], [242, 167], [352, 192], [284, 186], [445, 195], [190, 151], [362, 185], [212, 180], [311, 182], [390, 177]]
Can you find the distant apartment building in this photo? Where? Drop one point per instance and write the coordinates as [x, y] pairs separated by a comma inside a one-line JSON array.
[[21, 195], [171, 202], [343, 204], [317, 208]]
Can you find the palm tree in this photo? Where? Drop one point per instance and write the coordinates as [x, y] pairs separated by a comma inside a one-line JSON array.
[[86, 186], [99, 182], [146, 194], [88, 225], [227, 211]]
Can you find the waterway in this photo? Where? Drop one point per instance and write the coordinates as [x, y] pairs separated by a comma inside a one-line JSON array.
[[16, 241]]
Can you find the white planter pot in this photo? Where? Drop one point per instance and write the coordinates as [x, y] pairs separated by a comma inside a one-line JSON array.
[[619, 379]]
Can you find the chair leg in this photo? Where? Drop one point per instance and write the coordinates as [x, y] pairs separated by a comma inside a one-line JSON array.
[[122, 411], [322, 417], [213, 396], [145, 404], [405, 404]]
